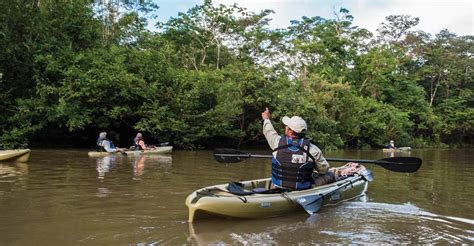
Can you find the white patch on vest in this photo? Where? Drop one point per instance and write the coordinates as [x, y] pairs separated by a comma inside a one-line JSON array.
[[297, 159]]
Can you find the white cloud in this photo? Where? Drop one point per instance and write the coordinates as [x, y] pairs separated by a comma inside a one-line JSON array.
[[455, 15]]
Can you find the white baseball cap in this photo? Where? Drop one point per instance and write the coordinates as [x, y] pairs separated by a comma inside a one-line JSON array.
[[295, 123]]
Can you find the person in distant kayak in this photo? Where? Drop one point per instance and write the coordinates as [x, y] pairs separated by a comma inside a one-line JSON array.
[[106, 145], [391, 145], [294, 157], [139, 143]]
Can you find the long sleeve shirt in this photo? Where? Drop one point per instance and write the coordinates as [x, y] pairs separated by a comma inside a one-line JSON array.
[[107, 146], [273, 139]]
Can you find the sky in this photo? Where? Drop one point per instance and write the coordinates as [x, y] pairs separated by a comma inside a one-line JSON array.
[[435, 15]]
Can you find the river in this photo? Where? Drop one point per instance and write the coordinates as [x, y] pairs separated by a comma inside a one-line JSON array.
[[64, 197]]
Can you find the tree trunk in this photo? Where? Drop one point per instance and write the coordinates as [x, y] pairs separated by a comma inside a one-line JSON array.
[[304, 78], [433, 95], [218, 56], [204, 50], [433, 91]]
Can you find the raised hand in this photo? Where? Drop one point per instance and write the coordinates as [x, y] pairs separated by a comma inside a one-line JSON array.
[[266, 114]]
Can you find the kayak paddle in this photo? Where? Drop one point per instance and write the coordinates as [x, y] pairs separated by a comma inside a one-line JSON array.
[[312, 203], [395, 164], [122, 152]]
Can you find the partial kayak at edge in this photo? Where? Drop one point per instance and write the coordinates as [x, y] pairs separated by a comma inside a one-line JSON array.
[[18, 155]]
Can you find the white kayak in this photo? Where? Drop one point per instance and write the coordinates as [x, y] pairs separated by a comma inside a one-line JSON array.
[[155, 151], [18, 155], [399, 149]]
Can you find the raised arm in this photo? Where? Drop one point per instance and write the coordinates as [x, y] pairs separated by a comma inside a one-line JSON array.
[[268, 131]]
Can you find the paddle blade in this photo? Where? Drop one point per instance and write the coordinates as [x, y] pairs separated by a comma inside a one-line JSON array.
[[367, 174], [401, 164], [230, 155], [311, 203]]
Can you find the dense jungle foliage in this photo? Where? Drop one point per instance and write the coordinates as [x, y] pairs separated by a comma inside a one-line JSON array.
[[70, 69]]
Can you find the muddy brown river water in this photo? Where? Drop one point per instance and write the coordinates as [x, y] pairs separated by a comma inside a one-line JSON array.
[[64, 197]]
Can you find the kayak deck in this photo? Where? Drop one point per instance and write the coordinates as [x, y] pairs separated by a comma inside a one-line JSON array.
[[155, 151], [18, 155], [218, 201]]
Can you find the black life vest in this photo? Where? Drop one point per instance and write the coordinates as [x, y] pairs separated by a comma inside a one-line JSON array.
[[292, 168]]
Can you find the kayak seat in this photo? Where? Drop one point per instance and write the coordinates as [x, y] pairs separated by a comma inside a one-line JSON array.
[[259, 190], [237, 188], [320, 180]]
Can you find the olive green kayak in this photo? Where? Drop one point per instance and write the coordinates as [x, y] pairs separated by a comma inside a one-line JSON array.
[[399, 149], [155, 151], [18, 155], [219, 201]]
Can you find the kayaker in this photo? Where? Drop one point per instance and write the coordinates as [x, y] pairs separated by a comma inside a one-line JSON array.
[[294, 157], [139, 143], [391, 145], [106, 145]]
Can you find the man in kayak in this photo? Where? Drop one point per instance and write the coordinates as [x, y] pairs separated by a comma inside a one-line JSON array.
[[106, 145], [391, 145], [294, 157]]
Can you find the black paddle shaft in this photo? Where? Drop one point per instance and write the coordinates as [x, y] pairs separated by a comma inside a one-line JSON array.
[[396, 164]]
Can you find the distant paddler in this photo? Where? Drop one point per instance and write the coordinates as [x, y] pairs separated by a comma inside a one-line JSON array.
[[139, 143], [105, 145], [390, 147]]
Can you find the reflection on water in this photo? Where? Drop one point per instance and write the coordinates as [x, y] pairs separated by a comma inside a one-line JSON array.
[[103, 192], [108, 163], [8, 171], [104, 165], [139, 166], [164, 161], [12, 173]]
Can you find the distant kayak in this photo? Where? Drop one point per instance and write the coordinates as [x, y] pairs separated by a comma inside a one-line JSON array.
[[155, 151], [400, 149], [18, 155]]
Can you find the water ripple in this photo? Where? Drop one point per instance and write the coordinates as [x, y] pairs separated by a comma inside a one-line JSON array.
[[400, 223], [350, 223]]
